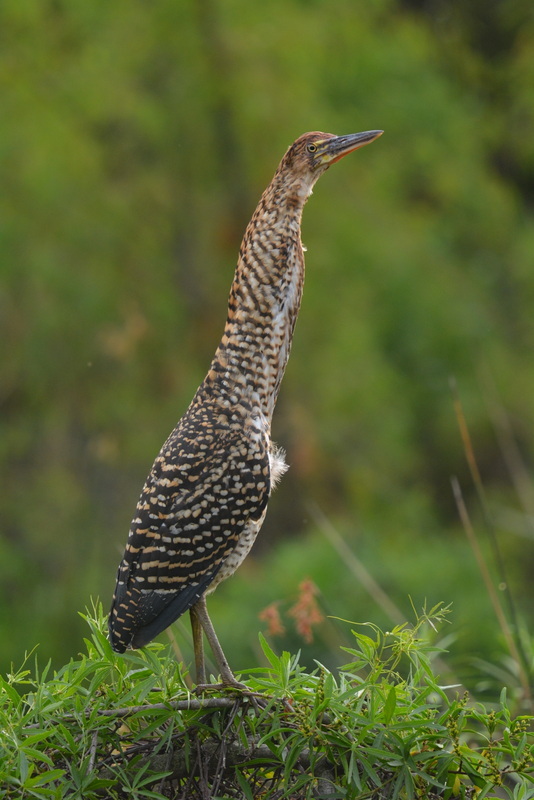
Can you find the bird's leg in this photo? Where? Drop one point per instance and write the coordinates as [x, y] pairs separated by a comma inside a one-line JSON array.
[[201, 616], [198, 645]]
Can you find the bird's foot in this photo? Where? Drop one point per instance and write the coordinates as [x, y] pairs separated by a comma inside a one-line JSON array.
[[232, 685], [257, 700]]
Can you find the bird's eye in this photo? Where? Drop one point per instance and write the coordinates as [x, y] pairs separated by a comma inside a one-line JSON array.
[[312, 148]]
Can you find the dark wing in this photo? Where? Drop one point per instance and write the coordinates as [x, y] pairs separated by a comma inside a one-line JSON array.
[[202, 492]]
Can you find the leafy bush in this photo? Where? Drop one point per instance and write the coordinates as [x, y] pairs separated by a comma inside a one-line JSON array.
[[130, 726]]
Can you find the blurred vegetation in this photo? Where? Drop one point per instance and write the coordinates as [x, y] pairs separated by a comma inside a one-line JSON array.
[[135, 141]]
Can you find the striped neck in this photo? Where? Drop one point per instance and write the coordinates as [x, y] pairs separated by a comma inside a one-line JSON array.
[[264, 302]]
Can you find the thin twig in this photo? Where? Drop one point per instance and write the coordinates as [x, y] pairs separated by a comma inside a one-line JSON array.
[[497, 606], [519, 474], [366, 579], [173, 705], [179, 656], [357, 568], [92, 751], [221, 760], [481, 493], [516, 650]]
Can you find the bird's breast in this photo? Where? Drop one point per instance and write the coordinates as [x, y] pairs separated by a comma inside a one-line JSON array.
[[240, 551]]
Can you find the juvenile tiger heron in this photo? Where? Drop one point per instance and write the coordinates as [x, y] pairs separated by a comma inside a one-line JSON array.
[[205, 498]]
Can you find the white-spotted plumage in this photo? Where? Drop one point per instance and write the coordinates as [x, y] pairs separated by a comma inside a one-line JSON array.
[[206, 495]]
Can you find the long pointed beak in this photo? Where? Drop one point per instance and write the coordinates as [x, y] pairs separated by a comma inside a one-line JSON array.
[[343, 145]]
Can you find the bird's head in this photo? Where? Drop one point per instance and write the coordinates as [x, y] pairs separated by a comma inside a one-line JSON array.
[[312, 153]]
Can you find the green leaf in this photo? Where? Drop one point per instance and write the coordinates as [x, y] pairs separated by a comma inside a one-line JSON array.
[[269, 654], [24, 767], [244, 784], [366, 645], [45, 777]]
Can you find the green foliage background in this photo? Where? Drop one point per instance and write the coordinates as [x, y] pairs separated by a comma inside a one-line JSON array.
[[135, 141]]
